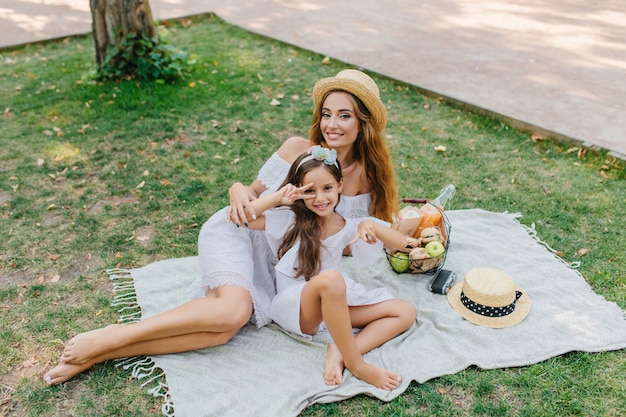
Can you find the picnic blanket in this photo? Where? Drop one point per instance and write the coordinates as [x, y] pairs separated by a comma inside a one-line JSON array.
[[265, 372]]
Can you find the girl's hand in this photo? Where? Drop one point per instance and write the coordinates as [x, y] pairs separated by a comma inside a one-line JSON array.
[[240, 209], [365, 232], [291, 193]]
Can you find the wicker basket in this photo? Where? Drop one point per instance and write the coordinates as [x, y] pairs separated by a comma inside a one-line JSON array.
[[429, 266]]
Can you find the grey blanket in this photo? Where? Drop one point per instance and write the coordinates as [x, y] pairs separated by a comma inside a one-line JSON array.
[[265, 372]]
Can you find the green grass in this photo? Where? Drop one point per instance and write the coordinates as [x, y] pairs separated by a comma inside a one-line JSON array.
[[95, 176]]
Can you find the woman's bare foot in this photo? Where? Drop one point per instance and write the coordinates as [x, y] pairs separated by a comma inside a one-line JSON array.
[[333, 369], [84, 347], [64, 372], [378, 377]]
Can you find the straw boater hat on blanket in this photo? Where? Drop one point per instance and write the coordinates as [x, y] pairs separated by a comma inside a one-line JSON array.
[[359, 84], [489, 297]]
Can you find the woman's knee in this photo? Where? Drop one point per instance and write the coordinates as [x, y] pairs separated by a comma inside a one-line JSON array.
[[212, 339], [229, 307]]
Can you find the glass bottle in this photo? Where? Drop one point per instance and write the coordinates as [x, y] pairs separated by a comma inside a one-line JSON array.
[[433, 211]]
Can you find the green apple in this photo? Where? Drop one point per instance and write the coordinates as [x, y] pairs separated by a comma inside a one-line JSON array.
[[399, 261], [435, 249]]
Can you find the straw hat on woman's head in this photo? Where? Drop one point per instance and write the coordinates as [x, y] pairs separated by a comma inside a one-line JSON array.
[[489, 297], [360, 85]]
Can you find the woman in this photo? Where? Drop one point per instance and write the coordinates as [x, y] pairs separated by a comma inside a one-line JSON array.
[[236, 282]]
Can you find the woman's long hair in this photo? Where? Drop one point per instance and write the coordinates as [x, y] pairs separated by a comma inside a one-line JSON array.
[[372, 151], [307, 226]]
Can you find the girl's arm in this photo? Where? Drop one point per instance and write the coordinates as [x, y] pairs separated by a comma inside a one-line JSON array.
[[283, 197], [370, 231]]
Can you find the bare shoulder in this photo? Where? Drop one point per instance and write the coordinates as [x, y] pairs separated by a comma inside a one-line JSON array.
[[293, 147]]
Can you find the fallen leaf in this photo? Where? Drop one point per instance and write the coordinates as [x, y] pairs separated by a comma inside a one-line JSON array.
[[141, 184], [41, 279], [440, 148], [54, 256], [274, 102], [442, 390], [55, 278], [536, 138], [326, 60], [40, 162], [582, 251]]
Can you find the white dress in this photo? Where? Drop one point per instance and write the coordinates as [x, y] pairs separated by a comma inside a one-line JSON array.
[[229, 255], [285, 307]]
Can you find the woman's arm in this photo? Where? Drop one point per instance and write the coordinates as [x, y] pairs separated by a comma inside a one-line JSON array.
[[240, 198], [241, 195]]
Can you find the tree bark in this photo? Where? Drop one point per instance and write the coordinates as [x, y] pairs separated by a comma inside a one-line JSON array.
[[112, 20]]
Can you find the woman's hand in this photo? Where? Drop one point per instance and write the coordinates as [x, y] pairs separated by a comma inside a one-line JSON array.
[[240, 209]]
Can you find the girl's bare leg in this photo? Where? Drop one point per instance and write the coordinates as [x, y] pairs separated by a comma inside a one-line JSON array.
[[324, 298], [225, 309], [379, 323]]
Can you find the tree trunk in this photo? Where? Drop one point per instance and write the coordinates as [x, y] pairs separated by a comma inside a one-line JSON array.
[[112, 20]]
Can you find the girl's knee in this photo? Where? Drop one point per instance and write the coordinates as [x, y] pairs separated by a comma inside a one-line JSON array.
[[331, 282], [405, 311]]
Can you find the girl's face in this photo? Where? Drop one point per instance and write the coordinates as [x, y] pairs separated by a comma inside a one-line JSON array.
[[325, 188], [339, 124]]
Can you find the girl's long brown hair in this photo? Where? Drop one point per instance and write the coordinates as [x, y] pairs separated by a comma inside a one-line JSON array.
[[372, 150], [307, 226]]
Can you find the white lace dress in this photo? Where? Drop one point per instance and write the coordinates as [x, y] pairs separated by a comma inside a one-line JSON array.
[[285, 307], [229, 255]]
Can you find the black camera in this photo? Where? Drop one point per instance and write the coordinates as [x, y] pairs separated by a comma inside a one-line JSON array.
[[442, 282]]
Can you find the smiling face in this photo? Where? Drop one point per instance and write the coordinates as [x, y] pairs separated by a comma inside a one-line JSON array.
[[339, 123], [325, 188]]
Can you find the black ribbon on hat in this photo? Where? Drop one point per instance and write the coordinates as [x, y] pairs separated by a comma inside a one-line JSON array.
[[487, 311]]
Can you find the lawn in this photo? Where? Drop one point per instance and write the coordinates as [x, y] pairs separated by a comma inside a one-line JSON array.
[[101, 175]]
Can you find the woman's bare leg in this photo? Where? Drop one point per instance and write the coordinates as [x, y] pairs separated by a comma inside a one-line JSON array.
[[225, 309], [193, 341], [324, 297]]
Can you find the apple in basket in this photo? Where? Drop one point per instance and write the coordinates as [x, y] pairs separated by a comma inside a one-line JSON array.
[[399, 261], [435, 249]]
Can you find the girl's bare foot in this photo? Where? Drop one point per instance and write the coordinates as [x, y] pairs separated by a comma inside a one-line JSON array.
[[84, 347], [378, 377], [333, 369], [64, 372]]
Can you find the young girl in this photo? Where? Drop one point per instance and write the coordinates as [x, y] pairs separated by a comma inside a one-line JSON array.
[[308, 238]]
